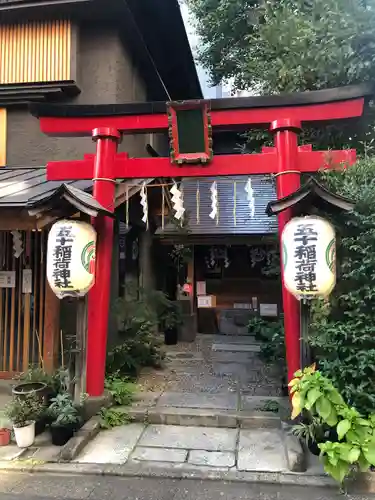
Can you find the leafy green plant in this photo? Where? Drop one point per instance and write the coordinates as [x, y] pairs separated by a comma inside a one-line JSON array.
[[136, 351], [269, 405], [310, 431], [113, 417], [23, 410], [355, 448], [122, 390], [56, 381], [271, 335], [63, 411]]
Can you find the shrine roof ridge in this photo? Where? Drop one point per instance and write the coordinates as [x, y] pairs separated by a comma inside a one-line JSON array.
[[312, 193], [160, 107]]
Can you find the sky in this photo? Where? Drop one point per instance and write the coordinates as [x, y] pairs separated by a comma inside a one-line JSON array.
[[208, 92]]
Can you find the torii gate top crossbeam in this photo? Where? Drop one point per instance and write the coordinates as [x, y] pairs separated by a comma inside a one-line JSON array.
[[231, 113]]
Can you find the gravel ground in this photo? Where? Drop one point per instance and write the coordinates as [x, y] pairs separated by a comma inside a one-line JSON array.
[[195, 367]]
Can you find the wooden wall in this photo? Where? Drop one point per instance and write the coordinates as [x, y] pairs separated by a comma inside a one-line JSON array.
[[35, 52]]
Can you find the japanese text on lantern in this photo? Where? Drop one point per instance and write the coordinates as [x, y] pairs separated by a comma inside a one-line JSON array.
[[62, 257], [305, 238], [309, 257]]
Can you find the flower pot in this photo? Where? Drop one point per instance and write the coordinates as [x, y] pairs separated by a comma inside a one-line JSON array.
[[61, 434], [170, 336], [4, 437], [313, 447], [25, 435], [40, 426], [26, 388]]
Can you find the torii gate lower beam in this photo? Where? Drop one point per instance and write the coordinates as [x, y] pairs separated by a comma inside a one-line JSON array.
[[286, 160]]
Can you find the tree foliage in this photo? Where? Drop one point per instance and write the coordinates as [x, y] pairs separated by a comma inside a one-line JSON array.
[[287, 45], [273, 46]]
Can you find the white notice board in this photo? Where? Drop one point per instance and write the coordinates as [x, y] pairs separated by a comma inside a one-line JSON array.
[[269, 310]]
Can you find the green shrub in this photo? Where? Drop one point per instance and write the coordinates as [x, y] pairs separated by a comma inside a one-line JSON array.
[[122, 390], [355, 446], [113, 417], [139, 348], [271, 335], [342, 332]]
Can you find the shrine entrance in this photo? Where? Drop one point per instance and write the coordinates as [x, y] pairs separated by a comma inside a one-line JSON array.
[[190, 126]]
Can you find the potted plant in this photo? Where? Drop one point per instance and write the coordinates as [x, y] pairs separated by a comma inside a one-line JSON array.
[[4, 432], [66, 418], [171, 319], [23, 412], [311, 432]]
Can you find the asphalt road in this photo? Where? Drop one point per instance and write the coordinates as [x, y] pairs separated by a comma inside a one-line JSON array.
[[16, 486]]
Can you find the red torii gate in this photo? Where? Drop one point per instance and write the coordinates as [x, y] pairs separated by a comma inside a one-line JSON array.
[[106, 123]]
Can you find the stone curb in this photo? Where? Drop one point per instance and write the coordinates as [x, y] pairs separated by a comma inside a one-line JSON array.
[[364, 483], [169, 472], [295, 455], [76, 444]]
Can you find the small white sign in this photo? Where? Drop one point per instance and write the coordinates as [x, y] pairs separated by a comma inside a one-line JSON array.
[[7, 279], [27, 281], [269, 310], [241, 306], [206, 301], [201, 288]]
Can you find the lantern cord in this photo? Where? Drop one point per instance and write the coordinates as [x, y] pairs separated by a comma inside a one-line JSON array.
[[127, 207], [234, 202], [198, 201], [104, 179], [162, 207], [287, 172]]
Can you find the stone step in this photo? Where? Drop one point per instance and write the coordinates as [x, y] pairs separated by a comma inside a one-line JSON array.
[[236, 347], [205, 417], [235, 339]]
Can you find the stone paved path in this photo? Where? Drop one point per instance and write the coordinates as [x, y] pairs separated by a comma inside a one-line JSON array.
[[204, 388], [183, 446]]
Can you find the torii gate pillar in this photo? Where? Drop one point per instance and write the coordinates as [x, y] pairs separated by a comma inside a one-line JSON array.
[[287, 182]]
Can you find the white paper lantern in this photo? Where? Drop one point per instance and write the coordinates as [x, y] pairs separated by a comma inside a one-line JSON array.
[[71, 258], [309, 257]]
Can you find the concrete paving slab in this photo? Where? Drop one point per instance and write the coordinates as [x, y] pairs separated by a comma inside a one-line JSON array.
[[261, 450], [236, 347], [189, 400], [212, 458], [143, 453], [192, 438], [112, 446], [10, 452], [45, 453]]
